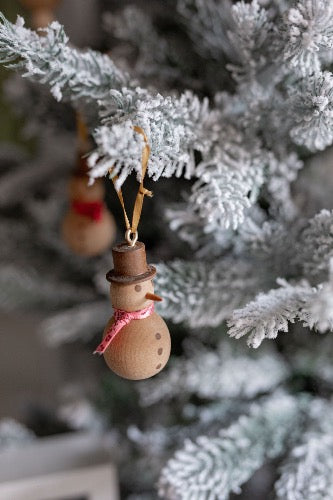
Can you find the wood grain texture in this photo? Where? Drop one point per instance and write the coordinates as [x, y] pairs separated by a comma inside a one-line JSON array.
[[140, 350], [131, 297], [130, 264]]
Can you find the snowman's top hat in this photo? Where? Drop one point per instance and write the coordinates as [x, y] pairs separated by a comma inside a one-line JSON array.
[[130, 264]]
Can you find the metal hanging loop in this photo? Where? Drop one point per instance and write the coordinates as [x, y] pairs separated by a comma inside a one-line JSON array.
[[131, 237]]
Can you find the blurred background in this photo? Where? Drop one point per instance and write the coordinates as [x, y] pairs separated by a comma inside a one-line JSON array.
[[32, 372], [54, 302], [54, 299]]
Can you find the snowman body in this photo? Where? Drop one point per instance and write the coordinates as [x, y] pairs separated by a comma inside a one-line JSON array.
[[142, 347], [87, 234]]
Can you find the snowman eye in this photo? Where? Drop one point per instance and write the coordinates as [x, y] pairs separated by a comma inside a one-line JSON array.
[[137, 288]]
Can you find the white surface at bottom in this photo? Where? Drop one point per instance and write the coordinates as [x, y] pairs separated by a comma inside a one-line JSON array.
[[93, 483], [72, 466]]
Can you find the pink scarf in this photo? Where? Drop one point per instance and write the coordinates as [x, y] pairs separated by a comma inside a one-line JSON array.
[[121, 319]]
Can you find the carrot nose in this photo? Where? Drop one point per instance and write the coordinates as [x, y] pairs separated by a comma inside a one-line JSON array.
[[153, 296]]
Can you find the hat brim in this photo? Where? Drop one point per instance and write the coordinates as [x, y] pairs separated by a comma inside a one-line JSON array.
[[127, 280]]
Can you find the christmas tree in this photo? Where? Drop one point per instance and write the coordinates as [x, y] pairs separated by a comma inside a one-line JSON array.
[[237, 100]]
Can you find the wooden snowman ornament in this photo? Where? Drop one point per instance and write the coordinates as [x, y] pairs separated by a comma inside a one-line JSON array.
[[136, 341], [88, 228]]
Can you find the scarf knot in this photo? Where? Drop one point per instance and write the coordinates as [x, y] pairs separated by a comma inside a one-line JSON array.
[[121, 319]]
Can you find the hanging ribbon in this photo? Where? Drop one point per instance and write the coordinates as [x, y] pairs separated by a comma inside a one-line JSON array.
[[131, 235]]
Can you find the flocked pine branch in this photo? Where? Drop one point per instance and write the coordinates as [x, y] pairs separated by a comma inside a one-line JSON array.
[[311, 104], [271, 313], [203, 294], [282, 173], [70, 74], [175, 127], [251, 37], [303, 248], [300, 247], [226, 372], [272, 246], [79, 413], [229, 182], [308, 470], [192, 229], [208, 24], [78, 322], [319, 313], [214, 467], [308, 32], [315, 245], [135, 27]]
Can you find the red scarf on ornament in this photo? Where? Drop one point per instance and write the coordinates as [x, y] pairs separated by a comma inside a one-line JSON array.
[[91, 209]]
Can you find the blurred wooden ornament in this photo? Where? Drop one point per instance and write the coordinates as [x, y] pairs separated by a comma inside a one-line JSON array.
[[42, 18], [40, 4], [42, 11], [136, 341], [140, 348], [88, 228]]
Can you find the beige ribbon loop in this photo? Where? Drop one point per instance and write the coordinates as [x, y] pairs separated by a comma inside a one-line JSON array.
[[145, 192], [132, 229]]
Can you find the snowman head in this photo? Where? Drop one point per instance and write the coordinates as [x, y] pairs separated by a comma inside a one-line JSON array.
[[131, 287], [133, 297]]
